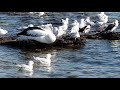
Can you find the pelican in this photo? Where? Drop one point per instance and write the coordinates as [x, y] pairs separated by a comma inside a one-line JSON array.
[[43, 35]]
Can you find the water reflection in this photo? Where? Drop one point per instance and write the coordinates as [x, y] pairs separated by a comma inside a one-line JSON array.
[[45, 69], [24, 74], [115, 43], [28, 54]]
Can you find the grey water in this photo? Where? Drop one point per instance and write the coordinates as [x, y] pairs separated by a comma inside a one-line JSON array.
[[97, 59]]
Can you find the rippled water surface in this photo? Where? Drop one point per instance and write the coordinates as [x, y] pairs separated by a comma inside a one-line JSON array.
[[97, 59]]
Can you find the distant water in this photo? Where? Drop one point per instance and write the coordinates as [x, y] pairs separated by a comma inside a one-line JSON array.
[[97, 59]]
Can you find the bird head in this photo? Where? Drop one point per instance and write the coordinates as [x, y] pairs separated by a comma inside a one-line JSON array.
[[116, 21], [101, 12], [30, 25], [48, 55], [31, 62]]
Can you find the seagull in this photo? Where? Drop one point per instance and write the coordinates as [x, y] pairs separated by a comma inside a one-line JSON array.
[[65, 21], [38, 13], [45, 61], [89, 22], [112, 26], [24, 67], [41, 14], [46, 26], [3, 32], [32, 12], [65, 24], [74, 26], [82, 23], [74, 35], [60, 32], [102, 18]]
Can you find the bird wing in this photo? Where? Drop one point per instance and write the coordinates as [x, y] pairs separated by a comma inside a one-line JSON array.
[[24, 32], [82, 29], [36, 32], [41, 60], [23, 66], [110, 27]]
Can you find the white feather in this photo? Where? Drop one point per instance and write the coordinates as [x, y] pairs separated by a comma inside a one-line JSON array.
[[102, 18], [75, 27], [3, 32], [87, 29], [24, 67], [44, 61], [82, 23]]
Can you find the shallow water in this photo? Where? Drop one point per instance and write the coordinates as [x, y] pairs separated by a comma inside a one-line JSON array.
[[97, 59]]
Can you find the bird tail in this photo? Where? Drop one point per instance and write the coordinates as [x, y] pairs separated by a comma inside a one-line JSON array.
[[18, 65], [35, 58]]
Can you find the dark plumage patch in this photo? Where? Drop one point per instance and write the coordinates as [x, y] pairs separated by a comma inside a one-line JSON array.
[[24, 32], [109, 27], [82, 29]]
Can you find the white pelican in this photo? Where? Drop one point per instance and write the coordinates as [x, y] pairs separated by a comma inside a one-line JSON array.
[[37, 34]]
